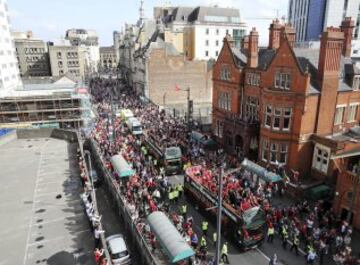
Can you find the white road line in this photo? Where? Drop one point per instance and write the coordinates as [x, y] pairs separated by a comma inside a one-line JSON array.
[[33, 205], [262, 254]]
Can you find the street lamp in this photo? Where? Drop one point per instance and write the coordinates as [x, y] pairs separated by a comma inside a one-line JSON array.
[[190, 108], [355, 184]]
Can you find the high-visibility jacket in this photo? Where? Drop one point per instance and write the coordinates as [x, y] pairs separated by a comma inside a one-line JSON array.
[[179, 187], [171, 195], [204, 225], [176, 194], [183, 209], [224, 249], [296, 241], [271, 231], [203, 242]]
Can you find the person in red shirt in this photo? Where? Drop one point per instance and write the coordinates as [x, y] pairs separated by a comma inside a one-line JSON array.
[[98, 253]]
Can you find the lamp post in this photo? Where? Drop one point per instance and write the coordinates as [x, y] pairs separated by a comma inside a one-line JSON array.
[[219, 217], [355, 184], [189, 109]]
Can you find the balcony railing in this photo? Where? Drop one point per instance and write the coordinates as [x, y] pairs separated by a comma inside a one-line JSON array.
[[237, 119]]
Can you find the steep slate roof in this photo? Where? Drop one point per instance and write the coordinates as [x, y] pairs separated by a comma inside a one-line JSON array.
[[180, 12], [265, 57], [200, 12], [309, 58]]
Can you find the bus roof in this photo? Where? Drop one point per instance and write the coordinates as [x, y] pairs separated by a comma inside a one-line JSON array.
[[127, 113]]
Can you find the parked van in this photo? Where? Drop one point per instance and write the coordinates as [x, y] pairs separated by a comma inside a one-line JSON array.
[[134, 126], [117, 249]]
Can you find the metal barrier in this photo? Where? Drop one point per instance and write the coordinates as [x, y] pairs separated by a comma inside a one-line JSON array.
[[93, 197], [114, 190]]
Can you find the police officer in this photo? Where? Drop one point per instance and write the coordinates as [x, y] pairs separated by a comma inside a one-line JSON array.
[[183, 210], [180, 189], [295, 245], [203, 243], [284, 237], [204, 227], [224, 253]]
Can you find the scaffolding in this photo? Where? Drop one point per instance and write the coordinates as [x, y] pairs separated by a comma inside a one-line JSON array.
[[61, 110]]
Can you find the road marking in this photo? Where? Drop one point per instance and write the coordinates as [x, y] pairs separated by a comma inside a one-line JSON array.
[[33, 205], [262, 254]]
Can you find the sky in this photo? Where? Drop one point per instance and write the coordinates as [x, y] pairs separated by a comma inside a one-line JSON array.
[[49, 19]]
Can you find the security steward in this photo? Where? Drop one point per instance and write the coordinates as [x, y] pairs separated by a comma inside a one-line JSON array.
[[224, 253], [204, 227]]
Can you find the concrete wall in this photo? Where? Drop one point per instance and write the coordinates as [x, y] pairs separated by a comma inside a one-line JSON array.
[[47, 133]]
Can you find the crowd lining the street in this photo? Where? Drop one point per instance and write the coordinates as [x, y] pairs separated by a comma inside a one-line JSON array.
[[302, 225]]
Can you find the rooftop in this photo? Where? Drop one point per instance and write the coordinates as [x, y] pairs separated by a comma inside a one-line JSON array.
[[42, 227]]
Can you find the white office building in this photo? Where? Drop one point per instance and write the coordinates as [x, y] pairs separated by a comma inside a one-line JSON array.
[[89, 41], [204, 28], [9, 70]]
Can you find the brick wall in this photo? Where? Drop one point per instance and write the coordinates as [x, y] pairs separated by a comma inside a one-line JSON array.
[[167, 71]]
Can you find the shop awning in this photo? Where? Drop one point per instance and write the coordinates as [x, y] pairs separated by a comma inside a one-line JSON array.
[[169, 237], [122, 168], [350, 153], [260, 171]]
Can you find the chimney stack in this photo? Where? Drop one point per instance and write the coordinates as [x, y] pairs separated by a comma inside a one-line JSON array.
[[252, 60], [245, 43], [328, 77], [230, 40], [274, 34], [288, 32], [347, 27]]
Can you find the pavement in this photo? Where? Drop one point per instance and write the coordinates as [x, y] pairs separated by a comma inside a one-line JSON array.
[[42, 218]]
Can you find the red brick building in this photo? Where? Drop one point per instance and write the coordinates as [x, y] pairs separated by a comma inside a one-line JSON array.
[[296, 107]]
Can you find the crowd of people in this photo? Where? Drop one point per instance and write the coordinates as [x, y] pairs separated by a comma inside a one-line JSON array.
[[313, 228]]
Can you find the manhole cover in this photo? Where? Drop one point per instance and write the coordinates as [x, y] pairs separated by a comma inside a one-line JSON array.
[[28, 202]]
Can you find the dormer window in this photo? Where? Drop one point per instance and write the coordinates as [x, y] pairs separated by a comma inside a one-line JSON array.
[[225, 73], [282, 80], [356, 83]]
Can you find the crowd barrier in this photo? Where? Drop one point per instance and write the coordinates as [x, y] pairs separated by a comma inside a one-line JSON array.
[[118, 202]]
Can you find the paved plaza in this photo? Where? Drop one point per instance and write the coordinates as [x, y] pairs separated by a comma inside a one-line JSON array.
[[42, 219]]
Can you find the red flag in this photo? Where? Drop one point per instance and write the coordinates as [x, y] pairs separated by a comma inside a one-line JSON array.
[[177, 88]]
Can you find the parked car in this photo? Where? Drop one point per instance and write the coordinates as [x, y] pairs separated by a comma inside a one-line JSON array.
[[117, 249]]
